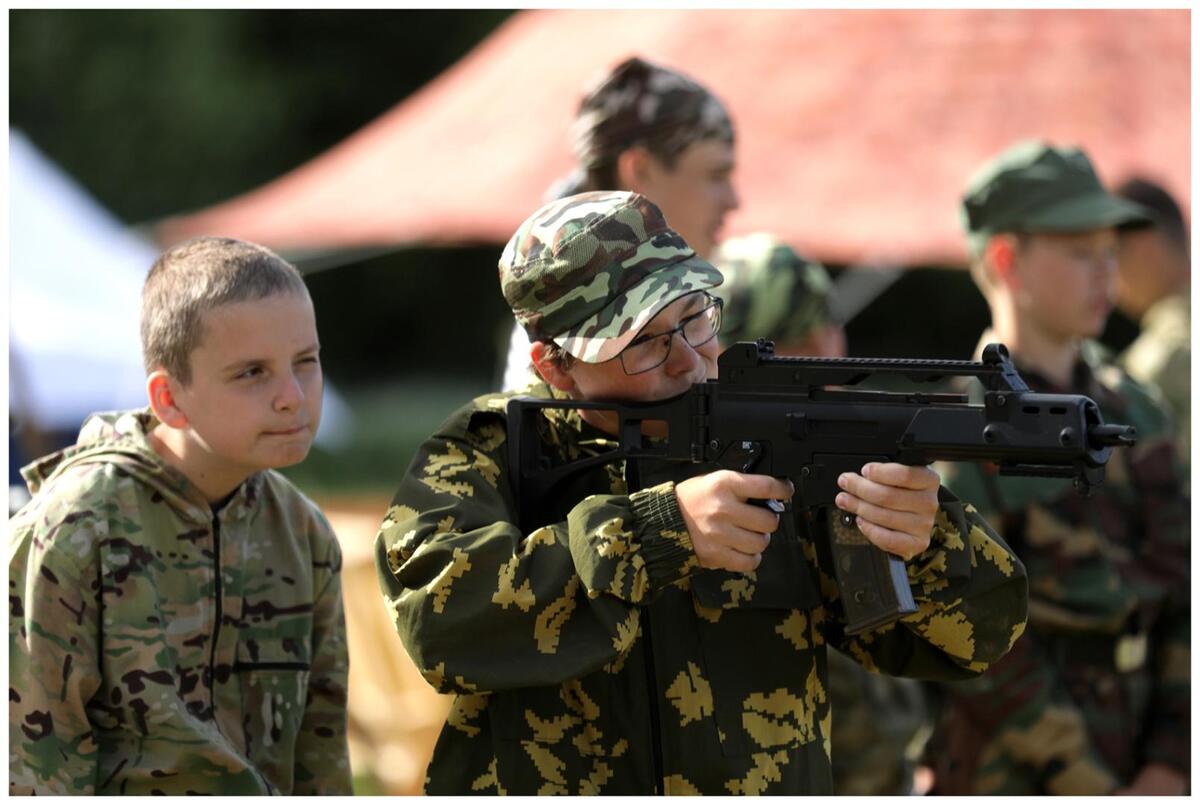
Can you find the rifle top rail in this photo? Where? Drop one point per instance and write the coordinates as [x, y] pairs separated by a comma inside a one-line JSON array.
[[995, 371]]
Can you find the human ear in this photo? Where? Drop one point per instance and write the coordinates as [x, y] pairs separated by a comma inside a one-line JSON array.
[[1000, 256], [161, 390], [550, 370], [635, 169]]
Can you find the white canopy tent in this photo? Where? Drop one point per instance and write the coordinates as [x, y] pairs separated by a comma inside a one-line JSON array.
[[75, 282], [75, 277]]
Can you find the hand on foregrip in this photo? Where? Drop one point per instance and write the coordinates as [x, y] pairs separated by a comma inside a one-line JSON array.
[[728, 533], [895, 505]]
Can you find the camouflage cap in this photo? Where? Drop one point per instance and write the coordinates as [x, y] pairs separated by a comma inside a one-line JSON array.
[[642, 102], [589, 271], [1037, 187], [770, 291]]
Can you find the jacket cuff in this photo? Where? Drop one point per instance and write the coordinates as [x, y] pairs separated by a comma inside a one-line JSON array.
[[658, 525]]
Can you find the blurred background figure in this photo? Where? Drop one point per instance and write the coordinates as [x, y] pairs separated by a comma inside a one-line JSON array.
[[1153, 289], [654, 131], [772, 292], [880, 727], [1094, 697]]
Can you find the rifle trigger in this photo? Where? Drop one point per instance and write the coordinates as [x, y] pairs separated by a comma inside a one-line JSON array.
[[752, 452]]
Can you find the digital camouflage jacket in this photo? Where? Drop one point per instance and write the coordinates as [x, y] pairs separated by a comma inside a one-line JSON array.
[[134, 666], [593, 656], [1099, 685]]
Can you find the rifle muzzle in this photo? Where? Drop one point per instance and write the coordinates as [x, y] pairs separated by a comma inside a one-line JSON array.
[[1101, 436]]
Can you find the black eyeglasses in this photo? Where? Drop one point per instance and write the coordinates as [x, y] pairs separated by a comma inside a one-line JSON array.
[[651, 351]]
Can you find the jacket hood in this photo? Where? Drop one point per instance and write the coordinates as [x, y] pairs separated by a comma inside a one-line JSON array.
[[119, 438]]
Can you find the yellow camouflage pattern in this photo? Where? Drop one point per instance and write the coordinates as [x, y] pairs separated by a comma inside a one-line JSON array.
[[571, 646]]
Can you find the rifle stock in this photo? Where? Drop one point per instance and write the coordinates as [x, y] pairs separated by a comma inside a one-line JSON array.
[[795, 418]]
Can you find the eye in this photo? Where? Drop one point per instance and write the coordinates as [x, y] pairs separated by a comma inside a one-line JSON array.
[[643, 339], [249, 373]]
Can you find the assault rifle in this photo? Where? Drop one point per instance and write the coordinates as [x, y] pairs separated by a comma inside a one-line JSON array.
[[794, 418]]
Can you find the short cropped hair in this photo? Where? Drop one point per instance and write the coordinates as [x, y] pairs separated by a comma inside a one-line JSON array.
[[1163, 208], [194, 277]]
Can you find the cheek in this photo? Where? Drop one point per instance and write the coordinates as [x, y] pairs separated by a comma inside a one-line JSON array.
[[709, 354]]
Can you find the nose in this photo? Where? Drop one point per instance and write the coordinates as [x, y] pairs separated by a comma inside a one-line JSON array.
[[684, 358], [289, 396], [734, 201]]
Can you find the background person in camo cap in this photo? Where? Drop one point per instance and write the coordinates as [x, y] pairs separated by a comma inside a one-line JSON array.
[[1153, 289], [1095, 698], [772, 292], [668, 638], [654, 131]]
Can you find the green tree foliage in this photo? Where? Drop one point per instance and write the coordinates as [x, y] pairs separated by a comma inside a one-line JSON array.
[[158, 111]]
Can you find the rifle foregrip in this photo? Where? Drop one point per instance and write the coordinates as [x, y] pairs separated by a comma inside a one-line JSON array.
[[873, 584]]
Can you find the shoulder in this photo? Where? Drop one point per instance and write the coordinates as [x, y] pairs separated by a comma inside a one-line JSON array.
[[70, 514], [486, 415]]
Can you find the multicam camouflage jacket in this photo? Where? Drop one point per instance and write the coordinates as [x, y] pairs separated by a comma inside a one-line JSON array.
[[593, 656], [157, 647], [1099, 685]]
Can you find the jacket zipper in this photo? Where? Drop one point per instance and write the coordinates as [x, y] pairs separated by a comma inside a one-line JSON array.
[[652, 686], [212, 656], [633, 481]]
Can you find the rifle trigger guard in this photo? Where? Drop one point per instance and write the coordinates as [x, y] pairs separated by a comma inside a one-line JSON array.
[[742, 455]]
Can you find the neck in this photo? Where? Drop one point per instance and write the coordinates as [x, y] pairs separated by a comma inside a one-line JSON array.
[[1050, 355], [179, 451]]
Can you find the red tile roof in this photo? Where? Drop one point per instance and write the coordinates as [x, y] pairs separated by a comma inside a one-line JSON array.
[[856, 129]]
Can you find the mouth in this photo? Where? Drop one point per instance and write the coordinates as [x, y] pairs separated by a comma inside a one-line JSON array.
[[287, 432]]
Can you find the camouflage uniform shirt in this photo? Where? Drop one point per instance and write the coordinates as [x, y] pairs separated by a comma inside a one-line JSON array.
[[1162, 355], [158, 647], [593, 656], [1099, 685]]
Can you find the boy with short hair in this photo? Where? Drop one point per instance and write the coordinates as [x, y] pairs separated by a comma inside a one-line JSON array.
[[175, 621], [1095, 698]]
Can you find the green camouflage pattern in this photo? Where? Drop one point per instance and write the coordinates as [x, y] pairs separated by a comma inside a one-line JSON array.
[[1161, 356], [641, 102], [1033, 186], [134, 668], [589, 271], [770, 291], [879, 728], [570, 646], [1099, 686]]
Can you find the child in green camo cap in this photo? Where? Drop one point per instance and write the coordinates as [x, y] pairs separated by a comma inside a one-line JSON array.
[[663, 639], [1095, 699]]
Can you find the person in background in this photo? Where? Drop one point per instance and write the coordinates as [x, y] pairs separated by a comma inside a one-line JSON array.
[[1153, 289], [772, 292], [175, 612], [1095, 697], [651, 130]]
